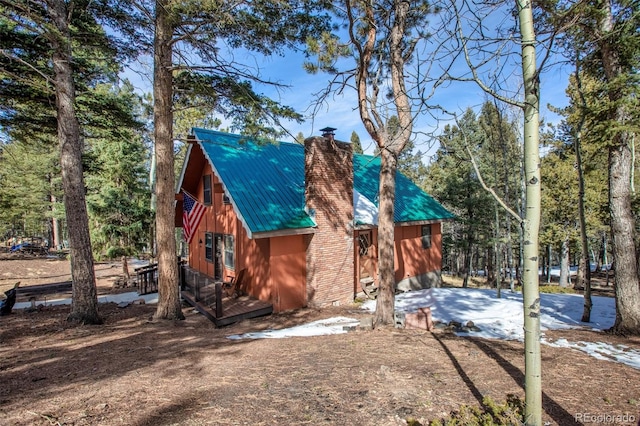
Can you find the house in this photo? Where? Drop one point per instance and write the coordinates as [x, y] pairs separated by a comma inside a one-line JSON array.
[[300, 221]]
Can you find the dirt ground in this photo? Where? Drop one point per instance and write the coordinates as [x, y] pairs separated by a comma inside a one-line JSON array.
[[136, 371]]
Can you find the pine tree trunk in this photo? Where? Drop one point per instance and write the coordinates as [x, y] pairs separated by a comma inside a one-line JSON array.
[[549, 256], [623, 231], [626, 279], [390, 145], [169, 305], [55, 224], [584, 271], [385, 303], [531, 223], [84, 304]]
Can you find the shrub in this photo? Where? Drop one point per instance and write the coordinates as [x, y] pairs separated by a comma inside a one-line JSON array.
[[555, 289], [116, 252], [488, 414]]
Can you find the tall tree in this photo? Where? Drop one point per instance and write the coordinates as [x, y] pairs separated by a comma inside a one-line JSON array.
[[583, 150], [168, 290], [216, 82], [454, 181], [84, 302], [470, 29], [501, 153], [29, 177], [382, 37], [117, 193], [61, 29], [559, 201], [606, 34], [619, 50]]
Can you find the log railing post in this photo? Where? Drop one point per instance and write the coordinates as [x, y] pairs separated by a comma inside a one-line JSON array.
[[218, 300]]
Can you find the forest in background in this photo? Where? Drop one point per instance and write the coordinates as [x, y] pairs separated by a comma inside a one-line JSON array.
[[66, 116], [117, 126]]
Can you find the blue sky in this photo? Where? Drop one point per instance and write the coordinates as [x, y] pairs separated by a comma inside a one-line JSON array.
[[340, 111]]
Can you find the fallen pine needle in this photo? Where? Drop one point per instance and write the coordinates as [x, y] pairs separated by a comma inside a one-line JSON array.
[[50, 419]]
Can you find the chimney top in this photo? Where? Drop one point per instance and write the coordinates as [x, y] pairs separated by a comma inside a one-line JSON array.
[[327, 132]]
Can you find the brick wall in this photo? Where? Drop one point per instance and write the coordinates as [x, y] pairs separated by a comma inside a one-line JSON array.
[[329, 199]]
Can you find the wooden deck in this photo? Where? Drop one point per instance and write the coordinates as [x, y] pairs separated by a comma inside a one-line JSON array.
[[208, 297], [233, 309]]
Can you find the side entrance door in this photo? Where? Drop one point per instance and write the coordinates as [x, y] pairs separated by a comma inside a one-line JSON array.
[[367, 258]]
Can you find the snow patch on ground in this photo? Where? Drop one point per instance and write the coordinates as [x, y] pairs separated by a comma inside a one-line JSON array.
[[497, 318]]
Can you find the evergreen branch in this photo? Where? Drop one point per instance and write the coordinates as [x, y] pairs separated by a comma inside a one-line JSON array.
[[482, 182], [8, 55]]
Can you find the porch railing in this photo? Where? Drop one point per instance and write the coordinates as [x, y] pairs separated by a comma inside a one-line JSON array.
[[147, 277]]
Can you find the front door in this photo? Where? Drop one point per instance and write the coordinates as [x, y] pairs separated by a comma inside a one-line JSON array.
[[217, 262]]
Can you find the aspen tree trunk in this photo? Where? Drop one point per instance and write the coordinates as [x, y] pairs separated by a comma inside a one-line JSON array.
[[169, 305], [531, 223], [84, 302]]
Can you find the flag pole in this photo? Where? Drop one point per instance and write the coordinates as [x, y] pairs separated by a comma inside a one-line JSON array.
[[189, 194]]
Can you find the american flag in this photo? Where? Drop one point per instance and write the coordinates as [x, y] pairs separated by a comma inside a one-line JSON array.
[[192, 212]]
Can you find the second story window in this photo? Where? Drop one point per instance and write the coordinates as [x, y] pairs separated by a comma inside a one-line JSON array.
[[206, 185]]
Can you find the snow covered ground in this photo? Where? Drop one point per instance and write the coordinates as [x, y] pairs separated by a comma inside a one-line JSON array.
[[497, 318], [107, 298]]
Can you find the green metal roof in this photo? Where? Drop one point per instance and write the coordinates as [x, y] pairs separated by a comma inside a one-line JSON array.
[[411, 204], [265, 183]]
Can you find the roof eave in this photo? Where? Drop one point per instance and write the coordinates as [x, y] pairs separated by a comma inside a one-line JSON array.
[[281, 233], [184, 169], [424, 222]]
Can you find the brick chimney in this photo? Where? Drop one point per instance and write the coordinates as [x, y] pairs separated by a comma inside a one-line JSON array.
[[328, 170]]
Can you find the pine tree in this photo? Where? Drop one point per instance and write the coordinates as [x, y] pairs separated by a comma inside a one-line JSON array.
[[603, 37], [355, 143], [118, 196], [49, 51], [215, 83], [381, 41]]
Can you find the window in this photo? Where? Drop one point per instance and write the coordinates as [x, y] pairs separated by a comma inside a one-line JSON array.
[[225, 199], [426, 236], [206, 185], [364, 241], [229, 258], [208, 246]]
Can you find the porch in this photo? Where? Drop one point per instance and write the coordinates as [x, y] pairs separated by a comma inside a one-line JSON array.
[[210, 298], [207, 295]]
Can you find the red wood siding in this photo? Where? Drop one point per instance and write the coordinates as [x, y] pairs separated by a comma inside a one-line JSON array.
[[410, 258]]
